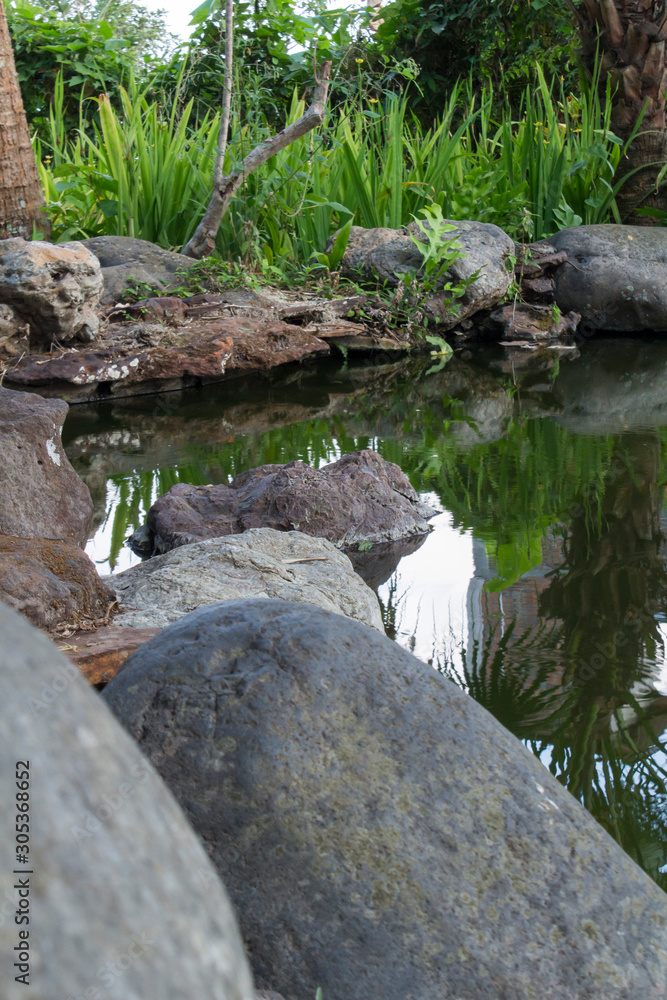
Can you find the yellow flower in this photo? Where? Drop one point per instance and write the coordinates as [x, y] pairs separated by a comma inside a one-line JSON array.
[[358, 60], [372, 100]]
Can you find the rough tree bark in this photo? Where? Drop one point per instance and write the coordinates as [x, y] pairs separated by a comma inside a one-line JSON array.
[[202, 243], [21, 197], [631, 35]]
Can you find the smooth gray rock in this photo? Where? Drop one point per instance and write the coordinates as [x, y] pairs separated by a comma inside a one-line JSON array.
[[124, 259], [261, 562], [615, 277], [388, 253], [359, 499], [380, 834], [124, 902], [55, 288], [41, 495]]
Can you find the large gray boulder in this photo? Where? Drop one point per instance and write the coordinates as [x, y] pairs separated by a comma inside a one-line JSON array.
[[41, 495], [55, 288], [386, 254], [615, 277], [359, 499], [261, 562], [125, 260], [121, 898], [380, 834]]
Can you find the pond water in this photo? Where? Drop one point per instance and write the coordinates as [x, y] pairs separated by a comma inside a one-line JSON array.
[[542, 588]]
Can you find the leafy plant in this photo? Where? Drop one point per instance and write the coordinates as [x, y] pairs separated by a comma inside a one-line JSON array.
[[91, 48], [146, 172], [438, 254]]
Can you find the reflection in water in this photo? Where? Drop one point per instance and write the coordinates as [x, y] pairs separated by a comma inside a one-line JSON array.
[[541, 588], [567, 658]]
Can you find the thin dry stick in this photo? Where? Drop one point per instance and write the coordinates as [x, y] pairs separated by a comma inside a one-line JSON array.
[[218, 172], [202, 243]]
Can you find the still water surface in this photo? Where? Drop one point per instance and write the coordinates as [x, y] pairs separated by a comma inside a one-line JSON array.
[[542, 588]]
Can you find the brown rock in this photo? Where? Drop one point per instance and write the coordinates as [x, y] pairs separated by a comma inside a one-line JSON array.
[[51, 582], [41, 495], [149, 358], [99, 655], [538, 289], [360, 498]]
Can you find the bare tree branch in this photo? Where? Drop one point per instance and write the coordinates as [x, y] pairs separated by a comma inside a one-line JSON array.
[[202, 243], [218, 172]]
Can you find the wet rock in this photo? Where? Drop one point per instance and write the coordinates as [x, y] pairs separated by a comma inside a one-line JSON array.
[[615, 277], [41, 495], [386, 254], [51, 582], [125, 260], [380, 834], [260, 562], [361, 498], [161, 367], [127, 902], [537, 323], [55, 288]]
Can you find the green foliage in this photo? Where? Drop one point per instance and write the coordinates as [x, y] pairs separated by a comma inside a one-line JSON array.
[[147, 171], [332, 259], [438, 254], [142, 174], [92, 49], [497, 42], [275, 43]]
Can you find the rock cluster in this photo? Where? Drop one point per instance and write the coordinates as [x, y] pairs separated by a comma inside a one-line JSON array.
[[387, 254]]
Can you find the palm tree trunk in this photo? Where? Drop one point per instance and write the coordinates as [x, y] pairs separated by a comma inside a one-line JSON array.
[[21, 197], [631, 37]]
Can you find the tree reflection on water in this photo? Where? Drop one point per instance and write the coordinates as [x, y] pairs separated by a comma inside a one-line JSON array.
[[577, 685]]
